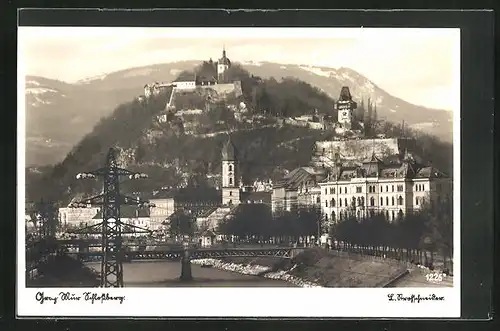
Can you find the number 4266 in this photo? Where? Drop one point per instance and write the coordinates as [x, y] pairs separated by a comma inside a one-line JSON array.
[[435, 277]]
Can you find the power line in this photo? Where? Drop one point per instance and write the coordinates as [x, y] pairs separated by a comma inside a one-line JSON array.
[[111, 226]]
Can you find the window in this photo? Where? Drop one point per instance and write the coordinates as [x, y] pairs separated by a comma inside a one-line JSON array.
[[369, 189], [363, 201], [331, 190], [230, 181], [326, 203], [392, 188], [318, 200], [333, 216], [392, 201], [359, 189], [423, 187], [230, 167], [332, 202], [387, 201], [400, 188], [326, 217], [340, 202], [393, 215], [345, 190], [416, 201], [345, 202], [372, 201], [400, 200], [387, 188], [326, 191], [381, 201], [230, 193]]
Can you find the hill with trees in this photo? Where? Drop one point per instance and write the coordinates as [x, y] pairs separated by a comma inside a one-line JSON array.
[[169, 152]]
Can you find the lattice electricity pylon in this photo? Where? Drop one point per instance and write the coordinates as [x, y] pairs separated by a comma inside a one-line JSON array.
[[97, 229], [111, 226]]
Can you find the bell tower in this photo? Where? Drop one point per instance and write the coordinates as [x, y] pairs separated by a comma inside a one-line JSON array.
[[230, 175], [222, 65]]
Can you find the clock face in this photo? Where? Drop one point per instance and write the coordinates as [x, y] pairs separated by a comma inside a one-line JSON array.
[[344, 113]]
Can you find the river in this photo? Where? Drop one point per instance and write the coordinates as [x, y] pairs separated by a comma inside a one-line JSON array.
[[166, 274]]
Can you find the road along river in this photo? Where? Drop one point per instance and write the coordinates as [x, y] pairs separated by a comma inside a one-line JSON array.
[[160, 273]]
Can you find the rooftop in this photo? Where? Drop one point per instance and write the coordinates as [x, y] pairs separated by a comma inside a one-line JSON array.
[[229, 152]]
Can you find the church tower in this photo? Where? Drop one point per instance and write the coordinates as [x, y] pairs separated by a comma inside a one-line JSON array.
[[230, 174], [222, 65], [345, 107]]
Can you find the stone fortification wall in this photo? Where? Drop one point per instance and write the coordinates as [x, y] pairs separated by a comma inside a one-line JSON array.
[[189, 98], [223, 89], [361, 149]]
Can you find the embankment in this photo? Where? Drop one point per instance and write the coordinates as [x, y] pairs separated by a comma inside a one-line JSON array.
[[318, 268]]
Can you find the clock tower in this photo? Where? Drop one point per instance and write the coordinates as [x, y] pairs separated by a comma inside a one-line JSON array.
[[345, 108]]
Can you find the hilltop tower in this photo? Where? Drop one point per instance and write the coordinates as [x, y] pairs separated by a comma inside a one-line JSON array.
[[222, 65], [230, 174], [345, 107]]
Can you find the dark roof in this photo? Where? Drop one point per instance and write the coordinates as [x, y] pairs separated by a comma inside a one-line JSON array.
[[406, 169], [127, 212], [345, 94], [208, 233], [187, 194], [224, 59], [229, 152], [163, 194], [429, 172], [259, 197], [186, 76], [300, 175]]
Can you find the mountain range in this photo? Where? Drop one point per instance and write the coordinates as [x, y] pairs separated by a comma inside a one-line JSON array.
[[59, 114]]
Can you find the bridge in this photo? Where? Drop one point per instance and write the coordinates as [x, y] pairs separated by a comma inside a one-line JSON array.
[[164, 251], [200, 253]]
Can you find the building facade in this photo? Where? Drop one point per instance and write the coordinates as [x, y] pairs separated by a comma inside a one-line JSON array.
[[298, 188], [164, 206], [378, 187], [76, 217]]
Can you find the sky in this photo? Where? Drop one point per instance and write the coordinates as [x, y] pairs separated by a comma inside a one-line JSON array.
[[420, 66]]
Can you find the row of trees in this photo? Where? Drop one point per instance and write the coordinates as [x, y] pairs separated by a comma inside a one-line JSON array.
[[428, 230]]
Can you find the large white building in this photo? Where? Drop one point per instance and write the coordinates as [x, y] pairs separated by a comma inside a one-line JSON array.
[[374, 186], [76, 217]]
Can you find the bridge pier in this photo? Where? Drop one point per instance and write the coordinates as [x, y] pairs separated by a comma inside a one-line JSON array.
[[186, 274]]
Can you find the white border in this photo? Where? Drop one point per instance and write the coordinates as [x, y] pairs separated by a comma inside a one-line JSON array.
[[252, 302]]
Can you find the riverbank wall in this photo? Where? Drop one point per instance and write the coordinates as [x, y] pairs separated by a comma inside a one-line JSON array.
[[318, 268]]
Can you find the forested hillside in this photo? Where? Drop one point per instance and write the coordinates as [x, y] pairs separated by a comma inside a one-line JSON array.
[[168, 154]]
